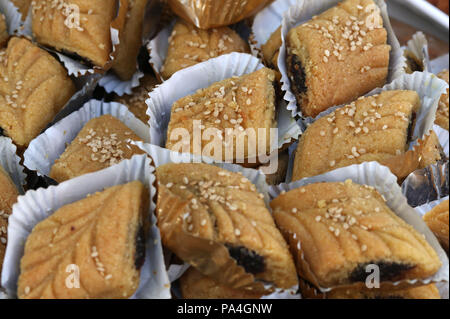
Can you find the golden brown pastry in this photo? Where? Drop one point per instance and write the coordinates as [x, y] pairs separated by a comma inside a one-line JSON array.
[[215, 219], [23, 6], [441, 4], [194, 285], [437, 220], [337, 56], [8, 197], [130, 36], [375, 128], [136, 101], [442, 113], [103, 235], [34, 87], [4, 36], [335, 230], [104, 141], [422, 292], [189, 45], [80, 27], [208, 14], [271, 49], [239, 103]]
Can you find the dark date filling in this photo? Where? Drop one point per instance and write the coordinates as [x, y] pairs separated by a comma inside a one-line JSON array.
[[297, 75], [250, 260], [413, 64], [388, 271], [139, 256]]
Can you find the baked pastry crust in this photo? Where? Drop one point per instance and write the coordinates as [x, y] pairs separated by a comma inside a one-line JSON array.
[[189, 45], [4, 36], [200, 206], [136, 101], [103, 234], [8, 197], [194, 285], [55, 25], [423, 292], [337, 56], [271, 49], [23, 6], [34, 87], [130, 36], [239, 103], [442, 118], [104, 141], [374, 128], [336, 229], [437, 220]]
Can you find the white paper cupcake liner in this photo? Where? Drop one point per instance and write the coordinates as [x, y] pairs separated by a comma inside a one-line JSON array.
[[11, 163], [303, 12], [425, 208], [44, 150], [158, 48], [267, 21], [443, 136], [203, 75], [111, 83], [161, 156], [379, 177], [35, 206], [13, 18], [418, 45]]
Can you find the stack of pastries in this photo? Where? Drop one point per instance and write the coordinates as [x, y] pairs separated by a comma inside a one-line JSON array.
[[315, 241]]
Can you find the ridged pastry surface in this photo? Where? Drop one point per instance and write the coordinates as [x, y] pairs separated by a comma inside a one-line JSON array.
[[336, 229], [437, 219], [55, 24], [223, 207], [104, 141], [225, 108], [337, 56], [34, 87], [189, 45], [442, 113], [374, 128], [8, 197], [102, 235]]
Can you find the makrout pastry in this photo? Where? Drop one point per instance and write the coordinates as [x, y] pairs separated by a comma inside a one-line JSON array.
[[337, 56], [195, 285], [34, 87], [442, 112], [3, 31], [335, 230], [189, 45], [75, 27], [375, 128], [271, 49], [441, 4], [136, 100], [229, 109], [8, 197], [430, 291], [104, 141], [100, 240], [130, 36], [202, 207], [437, 220]]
